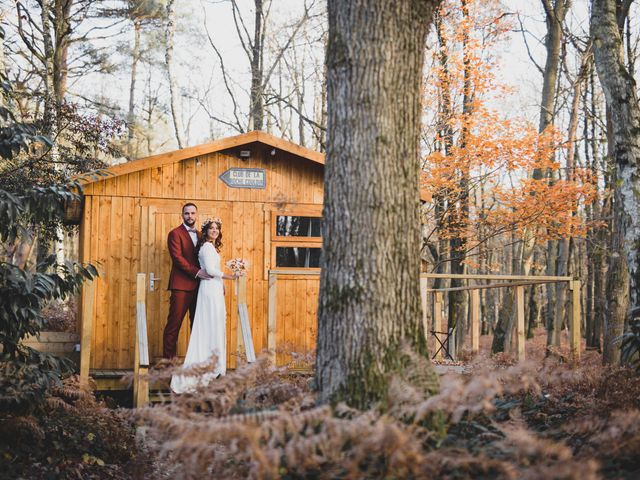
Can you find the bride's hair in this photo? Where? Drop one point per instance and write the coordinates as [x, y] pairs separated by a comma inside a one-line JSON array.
[[203, 234]]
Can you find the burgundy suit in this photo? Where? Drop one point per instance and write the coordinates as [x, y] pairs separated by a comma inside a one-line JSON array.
[[183, 285]]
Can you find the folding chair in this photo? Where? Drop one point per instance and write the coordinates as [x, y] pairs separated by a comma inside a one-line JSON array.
[[444, 342]]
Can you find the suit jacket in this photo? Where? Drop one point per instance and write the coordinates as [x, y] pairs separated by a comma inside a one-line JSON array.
[[184, 258]]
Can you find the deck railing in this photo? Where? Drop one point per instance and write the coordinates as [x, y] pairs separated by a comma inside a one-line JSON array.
[[141, 355]]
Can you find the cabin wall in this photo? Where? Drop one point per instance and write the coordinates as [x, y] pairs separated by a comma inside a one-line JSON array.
[[124, 229]]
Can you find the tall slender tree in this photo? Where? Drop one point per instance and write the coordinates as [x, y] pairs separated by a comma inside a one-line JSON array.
[[171, 74], [607, 21]]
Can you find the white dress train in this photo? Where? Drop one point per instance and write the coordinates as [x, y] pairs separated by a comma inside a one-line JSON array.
[[209, 333]]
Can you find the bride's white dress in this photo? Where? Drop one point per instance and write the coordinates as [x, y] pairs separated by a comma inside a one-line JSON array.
[[209, 333]]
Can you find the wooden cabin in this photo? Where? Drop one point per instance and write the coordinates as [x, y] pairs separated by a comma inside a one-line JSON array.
[[268, 193]]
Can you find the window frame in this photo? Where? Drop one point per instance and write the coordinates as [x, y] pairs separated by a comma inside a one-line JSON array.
[[272, 241]]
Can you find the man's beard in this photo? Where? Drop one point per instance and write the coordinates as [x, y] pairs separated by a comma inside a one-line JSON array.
[[190, 223]]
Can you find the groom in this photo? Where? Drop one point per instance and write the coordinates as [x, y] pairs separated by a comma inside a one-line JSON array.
[[184, 277]]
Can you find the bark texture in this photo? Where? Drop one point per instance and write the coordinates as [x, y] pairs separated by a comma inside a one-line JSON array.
[[369, 305], [607, 19]]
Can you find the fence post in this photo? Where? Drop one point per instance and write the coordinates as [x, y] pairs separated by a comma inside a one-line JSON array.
[[88, 296], [475, 320], [437, 317], [141, 354], [271, 322], [520, 330], [423, 299], [576, 319]]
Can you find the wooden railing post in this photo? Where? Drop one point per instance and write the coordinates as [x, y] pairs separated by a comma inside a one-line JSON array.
[[271, 322], [88, 296], [475, 320], [244, 338], [141, 355], [423, 299], [575, 319], [241, 297], [437, 317], [520, 330]]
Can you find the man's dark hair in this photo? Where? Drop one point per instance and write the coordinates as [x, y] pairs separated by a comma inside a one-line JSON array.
[[189, 205]]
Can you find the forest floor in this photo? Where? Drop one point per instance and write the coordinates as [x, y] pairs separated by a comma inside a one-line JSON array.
[[545, 418]]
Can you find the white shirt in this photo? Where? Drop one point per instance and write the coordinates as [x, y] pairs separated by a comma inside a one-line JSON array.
[[192, 234]]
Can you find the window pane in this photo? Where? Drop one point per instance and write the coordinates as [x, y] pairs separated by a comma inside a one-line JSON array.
[[301, 257], [294, 226]]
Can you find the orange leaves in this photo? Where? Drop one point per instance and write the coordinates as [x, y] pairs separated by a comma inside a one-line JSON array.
[[480, 167], [547, 209]]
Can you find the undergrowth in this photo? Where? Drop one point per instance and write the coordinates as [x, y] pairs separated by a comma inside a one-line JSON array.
[[69, 435], [543, 419]]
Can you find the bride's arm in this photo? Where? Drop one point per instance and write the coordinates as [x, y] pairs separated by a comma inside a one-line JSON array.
[[207, 258]]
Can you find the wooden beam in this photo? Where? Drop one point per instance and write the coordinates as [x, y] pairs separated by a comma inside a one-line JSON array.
[[88, 299], [575, 321], [520, 330], [423, 300], [294, 272], [271, 321], [490, 285], [141, 354], [497, 277], [437, 318], [475, 320]]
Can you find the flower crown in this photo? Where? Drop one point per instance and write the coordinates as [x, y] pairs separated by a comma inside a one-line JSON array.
[[211, 220]]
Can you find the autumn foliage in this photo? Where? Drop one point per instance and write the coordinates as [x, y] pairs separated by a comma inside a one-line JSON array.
[[480, 168]]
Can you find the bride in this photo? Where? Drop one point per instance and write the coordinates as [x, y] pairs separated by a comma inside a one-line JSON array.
[[209, 333]]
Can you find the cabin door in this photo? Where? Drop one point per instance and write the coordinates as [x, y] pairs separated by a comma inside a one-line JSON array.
[[158, 218]]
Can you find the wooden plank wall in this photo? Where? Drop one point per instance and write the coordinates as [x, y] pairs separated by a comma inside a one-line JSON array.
[[125, 230], [297, 309]]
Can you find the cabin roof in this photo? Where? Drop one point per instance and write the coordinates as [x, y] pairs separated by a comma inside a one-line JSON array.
[[222, 144], [226, 143]]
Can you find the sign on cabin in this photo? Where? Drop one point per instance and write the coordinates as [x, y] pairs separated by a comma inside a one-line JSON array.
[[245, 178]]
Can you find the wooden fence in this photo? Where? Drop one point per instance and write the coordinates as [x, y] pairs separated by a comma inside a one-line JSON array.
[[517, 282]]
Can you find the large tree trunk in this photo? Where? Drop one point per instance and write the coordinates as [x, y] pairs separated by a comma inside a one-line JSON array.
[[173, 83], [607, 19], [369, 306], [617, 294]]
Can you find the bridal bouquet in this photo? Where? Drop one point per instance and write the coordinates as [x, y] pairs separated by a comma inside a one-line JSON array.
[[238, 266]]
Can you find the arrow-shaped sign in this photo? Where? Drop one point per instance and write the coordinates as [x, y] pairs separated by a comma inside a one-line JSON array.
[[245, 178]]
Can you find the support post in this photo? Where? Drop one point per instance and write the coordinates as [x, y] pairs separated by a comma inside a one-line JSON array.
[[271, 322], [576, 319], [88, 297], [437, 317], [520, 330], [423, 299], [475, 320], [141, 355], [241, 298], [245, 338]]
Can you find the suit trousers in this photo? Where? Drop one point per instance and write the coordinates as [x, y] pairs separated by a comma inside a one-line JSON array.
[[180, 302]]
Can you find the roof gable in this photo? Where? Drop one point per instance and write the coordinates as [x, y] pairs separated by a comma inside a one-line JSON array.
[[216, 146]]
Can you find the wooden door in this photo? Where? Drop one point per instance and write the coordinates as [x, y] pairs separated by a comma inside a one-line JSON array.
[[158, 218]]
